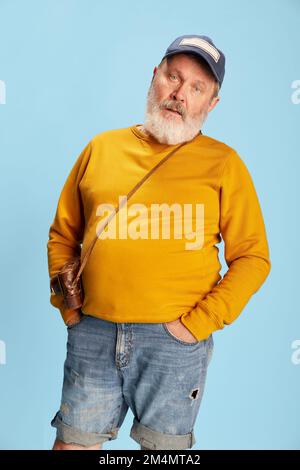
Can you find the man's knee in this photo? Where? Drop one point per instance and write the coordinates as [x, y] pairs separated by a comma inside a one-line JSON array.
[[60, 445]]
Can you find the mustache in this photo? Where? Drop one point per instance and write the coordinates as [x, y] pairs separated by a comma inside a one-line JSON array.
[[174, 107]]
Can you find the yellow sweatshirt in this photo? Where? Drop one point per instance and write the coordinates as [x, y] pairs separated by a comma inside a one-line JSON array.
[[157, 260]]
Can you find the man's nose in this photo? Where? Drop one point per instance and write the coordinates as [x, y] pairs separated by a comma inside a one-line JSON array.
[[179, 94]]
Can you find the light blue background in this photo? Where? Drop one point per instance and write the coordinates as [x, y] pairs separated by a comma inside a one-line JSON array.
[[73, 69]]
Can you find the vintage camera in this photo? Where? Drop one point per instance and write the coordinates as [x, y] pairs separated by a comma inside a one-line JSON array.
[[63, 283]]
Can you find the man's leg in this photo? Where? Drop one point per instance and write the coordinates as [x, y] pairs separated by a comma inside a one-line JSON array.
[[60, 445], [165, 412], [92, 406]]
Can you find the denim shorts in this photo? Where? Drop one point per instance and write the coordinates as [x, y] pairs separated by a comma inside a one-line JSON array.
[[112, 366]]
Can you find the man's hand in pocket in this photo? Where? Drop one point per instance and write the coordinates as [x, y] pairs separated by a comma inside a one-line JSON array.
[[177, 328]]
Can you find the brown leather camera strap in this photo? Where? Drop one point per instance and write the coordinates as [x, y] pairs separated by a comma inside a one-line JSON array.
[[133, 190]]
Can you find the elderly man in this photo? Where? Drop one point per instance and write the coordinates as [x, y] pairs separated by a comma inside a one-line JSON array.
[[143, 337]]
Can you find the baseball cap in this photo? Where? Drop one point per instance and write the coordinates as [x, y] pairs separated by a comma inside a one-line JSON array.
[[203, 47]]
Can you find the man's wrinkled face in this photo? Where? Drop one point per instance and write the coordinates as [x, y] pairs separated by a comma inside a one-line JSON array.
[[179, 98]]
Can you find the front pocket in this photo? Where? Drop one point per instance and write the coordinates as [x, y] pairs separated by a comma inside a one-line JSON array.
[[165, 328]]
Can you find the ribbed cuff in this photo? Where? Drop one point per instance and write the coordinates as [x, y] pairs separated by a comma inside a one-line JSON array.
[[200, 324]]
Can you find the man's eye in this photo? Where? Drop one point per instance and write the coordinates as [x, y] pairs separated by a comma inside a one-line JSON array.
[[172, 75]]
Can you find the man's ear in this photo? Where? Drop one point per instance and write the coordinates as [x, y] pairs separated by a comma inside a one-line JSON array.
[[213, 102], [154, 73]]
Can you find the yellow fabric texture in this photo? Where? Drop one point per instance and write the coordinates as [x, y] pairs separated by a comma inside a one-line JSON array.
[[131, 278]]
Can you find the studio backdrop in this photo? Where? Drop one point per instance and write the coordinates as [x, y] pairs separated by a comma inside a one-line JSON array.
[[70, 70]]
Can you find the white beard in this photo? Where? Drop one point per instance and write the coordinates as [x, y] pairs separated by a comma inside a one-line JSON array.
[[169, 129]]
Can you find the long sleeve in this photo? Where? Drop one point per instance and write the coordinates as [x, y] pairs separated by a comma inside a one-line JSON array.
[[67, 229], [245, 250]]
